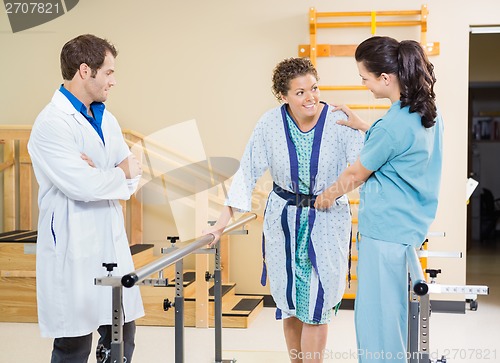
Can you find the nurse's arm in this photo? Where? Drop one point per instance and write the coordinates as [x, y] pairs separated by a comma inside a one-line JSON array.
[[351, 178]]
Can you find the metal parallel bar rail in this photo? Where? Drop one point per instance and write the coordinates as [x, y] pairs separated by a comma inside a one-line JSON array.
[[419, 285], [139, 276], [136, 276]]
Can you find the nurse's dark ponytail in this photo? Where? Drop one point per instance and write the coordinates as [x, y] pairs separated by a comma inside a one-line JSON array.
[[408, 61]]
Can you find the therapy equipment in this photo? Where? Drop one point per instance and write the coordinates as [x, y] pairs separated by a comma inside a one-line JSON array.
[[141, 276], [420, 305]]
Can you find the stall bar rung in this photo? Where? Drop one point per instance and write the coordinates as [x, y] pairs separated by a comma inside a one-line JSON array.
[[368, 107], [343, 88], [351, 296], [348, 50], [368, 24], [329, 14], [328, 50]]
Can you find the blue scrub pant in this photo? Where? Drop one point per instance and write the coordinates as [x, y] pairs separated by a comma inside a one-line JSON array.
[[381, 306]]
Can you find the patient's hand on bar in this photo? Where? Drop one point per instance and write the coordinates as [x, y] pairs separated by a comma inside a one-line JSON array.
[[220, 225], [216, 231]]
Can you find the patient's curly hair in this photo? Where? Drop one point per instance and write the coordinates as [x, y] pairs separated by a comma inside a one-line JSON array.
[[289, 69]]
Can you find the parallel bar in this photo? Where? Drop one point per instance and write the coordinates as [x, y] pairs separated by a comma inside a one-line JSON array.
[[136, 276], [420, 286]]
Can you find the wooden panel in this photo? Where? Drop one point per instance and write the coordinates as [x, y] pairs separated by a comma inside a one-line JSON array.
[[17, 294], [136, 209], [17, 273], [143, 258], [5, 164], [201, 218], [236, 319], [136, 220], [12, 257], [155, 315], [9, 191], [15, 132], [18, 300], [152, 298], [25, 189]]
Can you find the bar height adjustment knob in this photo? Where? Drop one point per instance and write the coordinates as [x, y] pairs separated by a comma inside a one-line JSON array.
[[109, 267]]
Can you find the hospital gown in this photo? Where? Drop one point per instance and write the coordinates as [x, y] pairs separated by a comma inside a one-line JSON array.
[[325, 233]]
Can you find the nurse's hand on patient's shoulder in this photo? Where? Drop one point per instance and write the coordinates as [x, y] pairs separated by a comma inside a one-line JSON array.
[[353, 120], [130, 166], [324, 201], [87, 159]]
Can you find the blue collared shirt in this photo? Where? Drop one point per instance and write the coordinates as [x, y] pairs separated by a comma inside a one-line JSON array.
[[96, 107]]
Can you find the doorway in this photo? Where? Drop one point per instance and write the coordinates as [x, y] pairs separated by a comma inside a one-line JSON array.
[[483, 212]]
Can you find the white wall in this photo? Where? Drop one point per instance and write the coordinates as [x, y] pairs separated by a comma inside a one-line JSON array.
[[212, 61]]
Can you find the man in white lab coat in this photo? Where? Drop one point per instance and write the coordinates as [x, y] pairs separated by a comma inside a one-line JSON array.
[[83, 167]]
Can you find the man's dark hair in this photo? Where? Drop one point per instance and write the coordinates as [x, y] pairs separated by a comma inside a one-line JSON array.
[[87, 49]]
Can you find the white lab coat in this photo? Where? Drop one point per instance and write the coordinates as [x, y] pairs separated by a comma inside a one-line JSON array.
[[81, 223]]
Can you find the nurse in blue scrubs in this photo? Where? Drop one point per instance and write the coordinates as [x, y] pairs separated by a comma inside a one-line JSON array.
[[400, 169]]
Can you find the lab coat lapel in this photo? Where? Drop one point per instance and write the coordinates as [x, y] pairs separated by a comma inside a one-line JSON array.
[[62, 102]]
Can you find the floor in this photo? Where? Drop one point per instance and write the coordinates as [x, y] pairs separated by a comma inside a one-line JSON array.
[[473, 337]]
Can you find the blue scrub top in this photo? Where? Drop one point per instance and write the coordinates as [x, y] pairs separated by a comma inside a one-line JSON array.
[[398, 202]]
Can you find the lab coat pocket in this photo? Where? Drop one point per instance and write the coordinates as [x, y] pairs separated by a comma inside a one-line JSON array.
[[83, 241]]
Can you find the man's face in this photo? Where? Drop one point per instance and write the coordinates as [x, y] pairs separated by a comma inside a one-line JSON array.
[[97, 87]]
